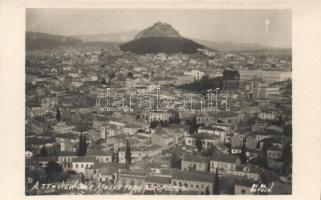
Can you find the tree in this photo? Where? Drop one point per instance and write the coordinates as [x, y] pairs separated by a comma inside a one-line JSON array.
[[229, 145], [43, 151], [287, 154], [193, 125], [112, 75], [82, 145], [209, 152], [175, 161], [130, 75], [153, 124], [263, 154], [198, 143], [58, 114], [52, 170], [128, 155], [243, 154], [216, 183], [207, 191], [117, 156]]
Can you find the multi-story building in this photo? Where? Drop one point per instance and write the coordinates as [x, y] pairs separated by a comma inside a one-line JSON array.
[[195, 73], [194, 163], [80, 164], [224, 162], [264, 75], [265, 92]]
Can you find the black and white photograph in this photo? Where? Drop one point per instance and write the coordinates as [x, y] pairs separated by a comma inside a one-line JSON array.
[[158, 101]]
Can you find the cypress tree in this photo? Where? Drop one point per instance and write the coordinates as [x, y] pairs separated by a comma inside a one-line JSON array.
[[58, 114], [207, 191], [43, 151], [230, 148], [243, 154], [128, 155], [80, 146], [198, 143], [84, 145], [216, 183], [117, 156]]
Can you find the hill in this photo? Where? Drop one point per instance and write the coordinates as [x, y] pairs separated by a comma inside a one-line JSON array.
[[161, 44], [111, 37], [160, 38], [38, 41]]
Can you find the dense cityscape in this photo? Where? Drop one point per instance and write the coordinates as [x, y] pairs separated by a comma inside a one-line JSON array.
[[240, 144]]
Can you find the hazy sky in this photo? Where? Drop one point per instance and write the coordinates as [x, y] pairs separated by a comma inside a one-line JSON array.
[[267, 27]]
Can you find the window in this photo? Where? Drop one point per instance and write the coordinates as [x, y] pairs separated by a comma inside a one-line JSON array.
[[76, 165], [180, 183], [82, 166], [174, 183], [197, 186]]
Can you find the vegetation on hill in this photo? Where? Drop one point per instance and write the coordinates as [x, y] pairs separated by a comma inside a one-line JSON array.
[[161, 45]]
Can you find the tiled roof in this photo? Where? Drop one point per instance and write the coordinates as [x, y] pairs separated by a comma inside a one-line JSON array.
[[98, 153], [84, 159], [219, 157], [191, 175], [158, 179], [67, 153], [195, 158]]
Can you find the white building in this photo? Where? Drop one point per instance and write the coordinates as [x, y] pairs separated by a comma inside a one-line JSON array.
[[195, 73], [265, 75]]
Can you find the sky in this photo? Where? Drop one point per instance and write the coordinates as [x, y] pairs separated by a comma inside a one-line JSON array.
[[266, 27]]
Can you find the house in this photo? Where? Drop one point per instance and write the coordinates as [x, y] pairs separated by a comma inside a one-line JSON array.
[[42, 161], [247, 172], [224, 162], [65, 159], [192, 181], [159, 116], [274, 152], [196, 74], [131, 177], [184, 79], [207, 140], [213, 131], [101, 156], [38, 125], [62, 127], [80, 164], [131, 129], [136, 154], [194, 163], [268, 115], [154, 181], [104, 172]]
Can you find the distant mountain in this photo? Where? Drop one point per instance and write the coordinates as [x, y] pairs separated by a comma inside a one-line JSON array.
[[161, 37], [236, 47], [111, 37], [38, 41], [230, 46]]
